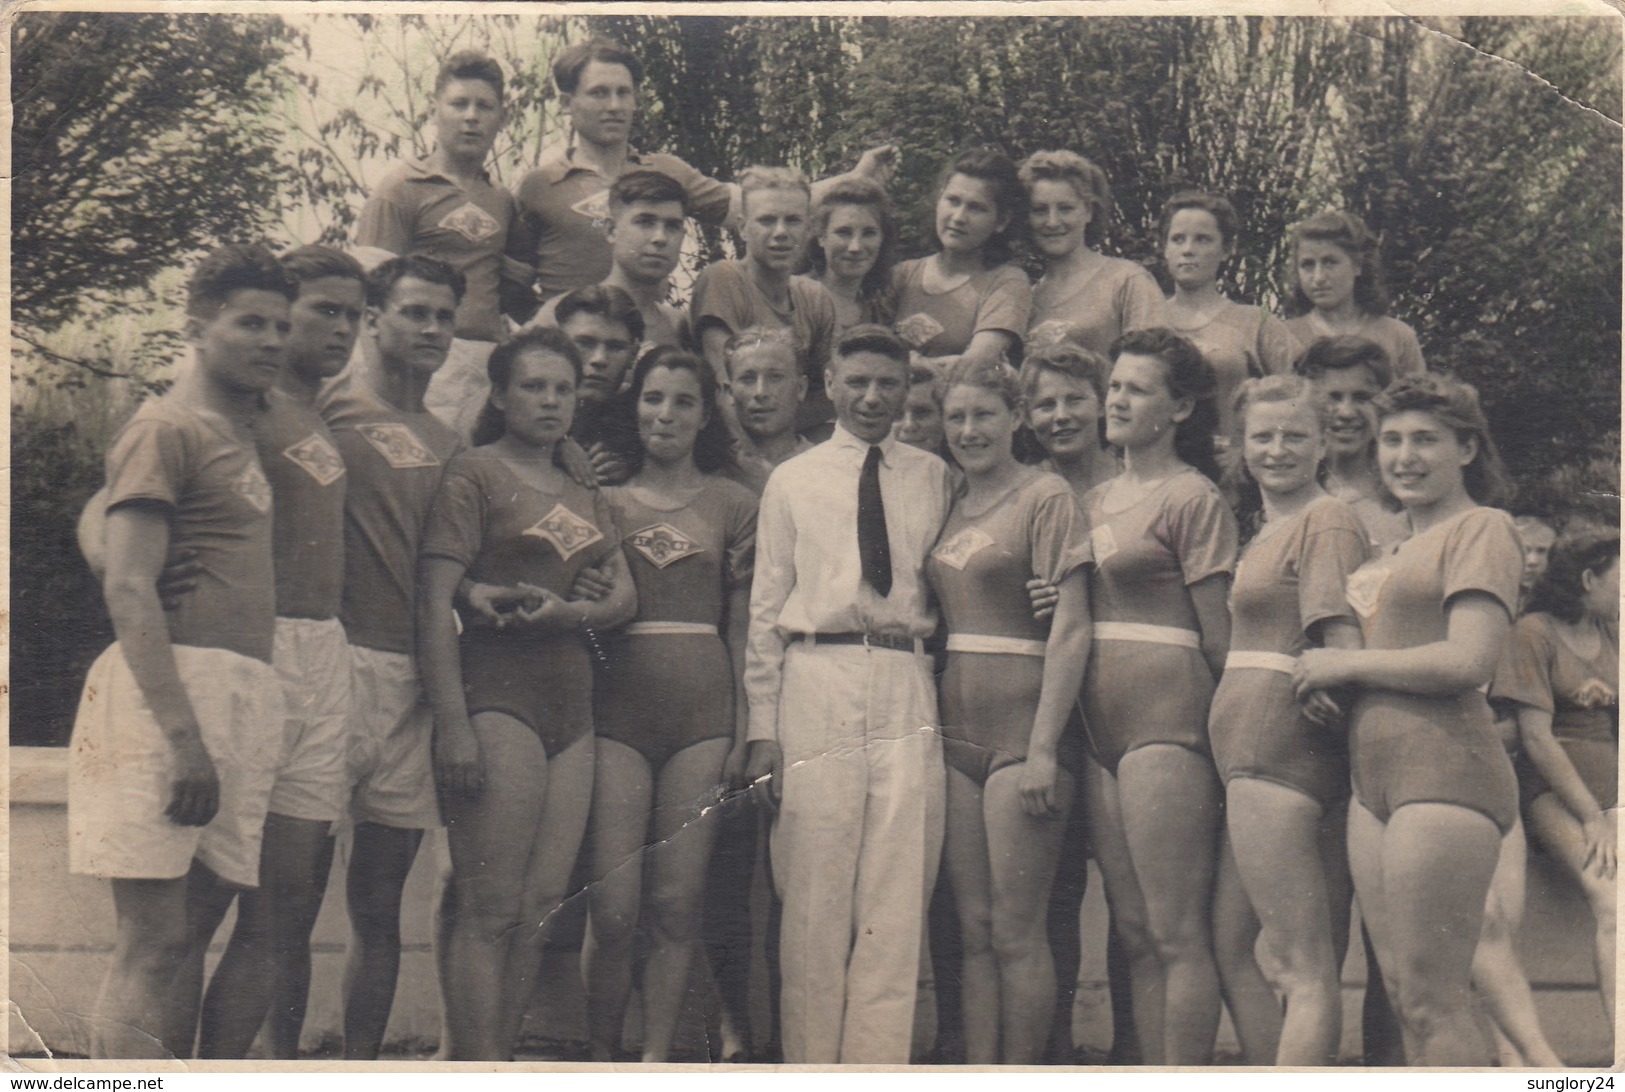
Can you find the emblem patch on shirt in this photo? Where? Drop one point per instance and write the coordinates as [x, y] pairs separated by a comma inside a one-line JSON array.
[[1364, 589], [472, 223], [918, 329], [253, 488], [398, 444], [318, 458], [594, 206], [1052, 332], [663, 544], [957, 551], [1102, 542], [568, 532]]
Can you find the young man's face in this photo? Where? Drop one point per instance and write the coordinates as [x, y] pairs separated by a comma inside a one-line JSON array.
[[467, 116], [603, 104], [776, 225], [868, 390], [414, 327], [767, 388], [239, 346], [646, 237], [325, 321], [606, 348], [921, 423]]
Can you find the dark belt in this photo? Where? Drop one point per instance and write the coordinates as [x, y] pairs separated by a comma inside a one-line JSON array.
[[867, 640]]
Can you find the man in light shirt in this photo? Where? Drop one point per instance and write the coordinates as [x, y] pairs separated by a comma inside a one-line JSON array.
[[843, 712]]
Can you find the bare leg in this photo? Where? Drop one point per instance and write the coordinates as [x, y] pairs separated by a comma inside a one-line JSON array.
[[380, 860], [966, 860], [622, 797], [1065, 927], [1498, 975], [1254, 1008], [728, 930], [207, 900], [1171, 815], [131, 1009], [1557, 829], [1022, 852], [1382, 1039]]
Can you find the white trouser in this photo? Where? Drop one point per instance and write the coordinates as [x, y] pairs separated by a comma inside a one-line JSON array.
[[855, 848]]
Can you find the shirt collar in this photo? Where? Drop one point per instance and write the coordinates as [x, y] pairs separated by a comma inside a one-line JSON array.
[[559, 161], [420, 170], [842, 438]]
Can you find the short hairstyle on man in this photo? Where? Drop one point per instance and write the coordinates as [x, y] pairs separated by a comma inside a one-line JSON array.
[[231, 268], [569, 64], [383, 279], [606, 300], [646, 187], [759, 337], [469, 64], [871, 338], [312, 263]]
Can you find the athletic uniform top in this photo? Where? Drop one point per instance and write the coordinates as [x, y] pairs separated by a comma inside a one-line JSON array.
[[505, 530], [1120, 295], [942, 324], [418, 210], [1539, 669], [981, 564], [307, 532], [394, 461], [685, 558], [190, 461], [1178, 533], [1241, 342], [564, 208], [1293, 578], [1396, 338]]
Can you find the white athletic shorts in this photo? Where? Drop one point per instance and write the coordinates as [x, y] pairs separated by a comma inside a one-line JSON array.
[[121, 770], [312, 659], [391, 766]]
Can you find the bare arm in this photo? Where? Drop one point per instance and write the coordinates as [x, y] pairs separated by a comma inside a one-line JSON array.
[[1211, 598], [1535, 734], [137, 539], [457, 765], [1320, 707], [1464, 660], [1065, 655], [738, 627]]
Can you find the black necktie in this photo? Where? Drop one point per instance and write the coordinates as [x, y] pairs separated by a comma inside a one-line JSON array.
[[874, 549]]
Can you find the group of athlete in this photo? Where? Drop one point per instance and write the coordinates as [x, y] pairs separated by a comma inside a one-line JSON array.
[[944, 580]]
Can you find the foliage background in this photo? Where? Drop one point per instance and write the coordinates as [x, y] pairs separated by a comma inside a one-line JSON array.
[[1485, 151]]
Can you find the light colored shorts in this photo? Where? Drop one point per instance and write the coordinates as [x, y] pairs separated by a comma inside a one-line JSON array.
[[121, 770], [459, 388], [312, 659], [391, 765]]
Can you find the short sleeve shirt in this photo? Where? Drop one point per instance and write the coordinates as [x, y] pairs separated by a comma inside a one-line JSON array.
[[1147, 555], [394, 461], [191, 462], [943, 324], [1241, 342], [307, 479], [1295, 578], [1397, 339], [1540, 670], [417, 210], [980, 566], [685, 559], [564, 209], [1119, 296]]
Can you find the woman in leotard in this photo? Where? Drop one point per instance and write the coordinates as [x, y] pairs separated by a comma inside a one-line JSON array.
[[1434, 791], [1007, 694], [1164, 544], [1561, 669], [1084, 296], [1285, 768], [1338, 289], [852, 250], [967, 299], [669, 709], [1198, 236], [513, 745]]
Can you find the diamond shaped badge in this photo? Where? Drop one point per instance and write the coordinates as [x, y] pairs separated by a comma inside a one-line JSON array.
[[1052, 332], [472, 223], [318, 458], [918, 329], [568, 532], [1364, 589], [253, 488], [663, 544], [398, 444], [958, 551], [595, 207]]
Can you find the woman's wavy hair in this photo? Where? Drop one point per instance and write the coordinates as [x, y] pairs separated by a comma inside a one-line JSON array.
[[1009, 197], [714, 446], [1581, 549], [1455, 405], [1088, 181], [1254, 392], [1349, 234], [1220, 208], [1064, 358], [1187, 375], [490, 425], [860, 193]]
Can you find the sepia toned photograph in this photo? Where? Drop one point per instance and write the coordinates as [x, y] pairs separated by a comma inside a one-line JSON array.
[[836, 535]]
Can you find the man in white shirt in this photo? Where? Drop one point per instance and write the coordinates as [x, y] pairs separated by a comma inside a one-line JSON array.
[[843, 712]]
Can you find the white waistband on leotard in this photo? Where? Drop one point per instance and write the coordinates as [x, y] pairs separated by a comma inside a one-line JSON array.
[[981, 642], [666, 629], [1263, 661], [1140, 631]]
